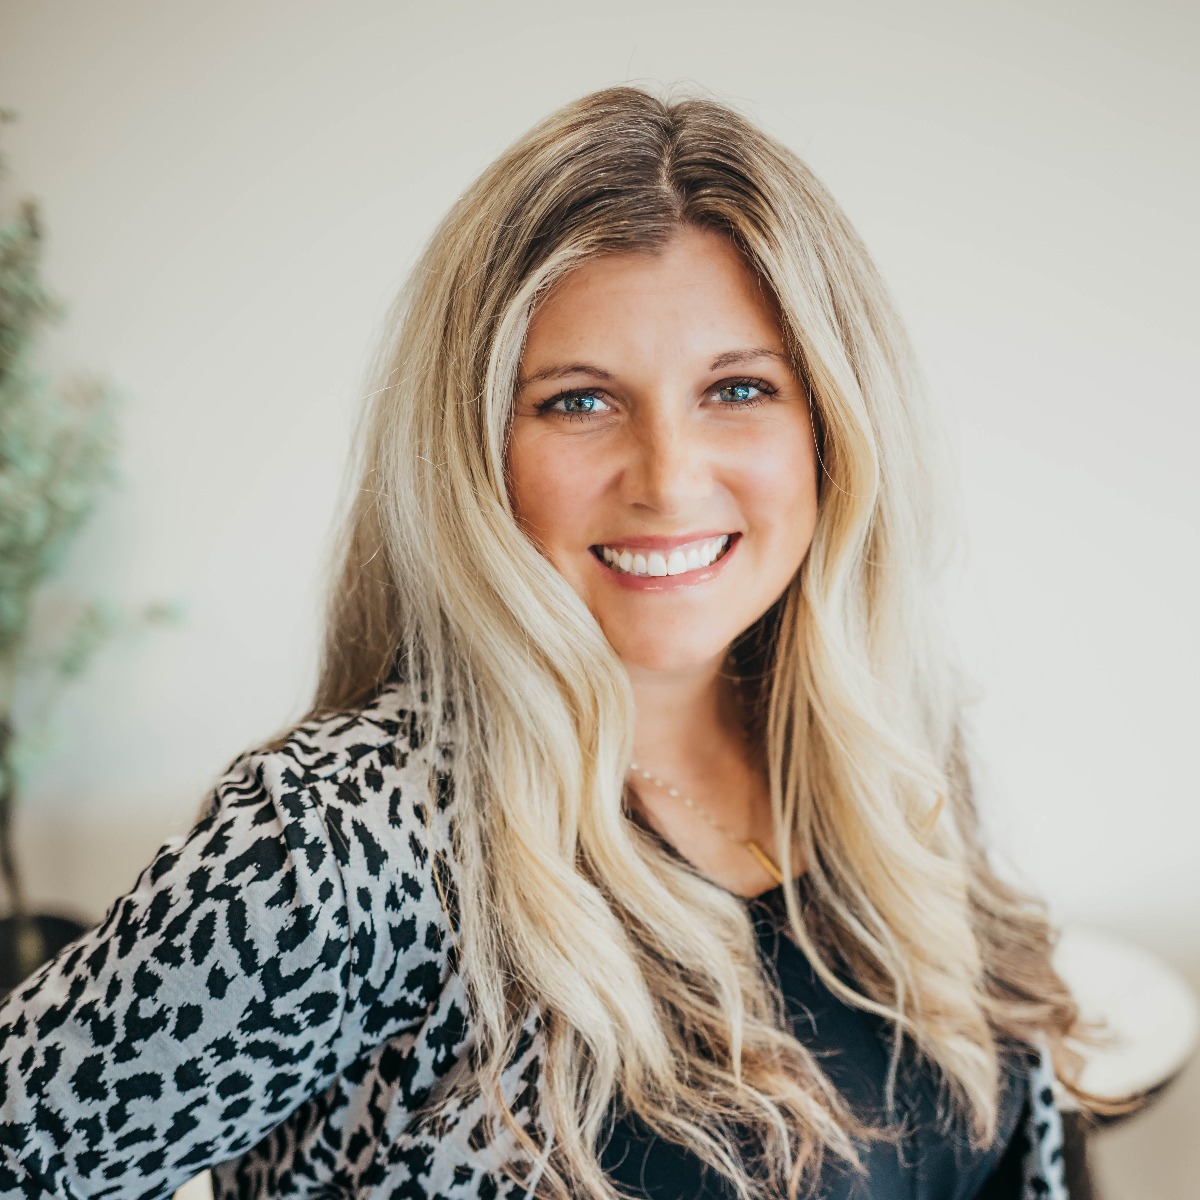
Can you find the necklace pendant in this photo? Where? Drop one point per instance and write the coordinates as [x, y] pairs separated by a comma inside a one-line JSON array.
[[764, 860]]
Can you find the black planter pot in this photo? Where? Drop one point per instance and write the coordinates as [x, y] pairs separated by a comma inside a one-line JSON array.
[[56, 931]]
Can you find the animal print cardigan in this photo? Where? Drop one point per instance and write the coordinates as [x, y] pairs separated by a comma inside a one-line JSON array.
[[276, 999]]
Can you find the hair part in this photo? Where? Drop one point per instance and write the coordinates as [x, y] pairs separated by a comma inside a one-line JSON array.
[[645, 976]]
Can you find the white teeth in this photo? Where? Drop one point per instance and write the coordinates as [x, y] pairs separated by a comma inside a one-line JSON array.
[[678, 562]]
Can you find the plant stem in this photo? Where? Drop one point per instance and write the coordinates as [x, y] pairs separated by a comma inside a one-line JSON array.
[[8, 865], [28, 942]]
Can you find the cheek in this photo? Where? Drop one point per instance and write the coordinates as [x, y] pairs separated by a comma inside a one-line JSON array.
[[778, 485], [549, 491]]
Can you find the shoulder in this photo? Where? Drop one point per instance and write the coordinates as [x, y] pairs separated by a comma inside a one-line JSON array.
[[367, 773], [389, 728], [342, 824], [395, 717]]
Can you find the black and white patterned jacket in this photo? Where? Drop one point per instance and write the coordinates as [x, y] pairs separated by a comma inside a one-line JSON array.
[[276, 999]]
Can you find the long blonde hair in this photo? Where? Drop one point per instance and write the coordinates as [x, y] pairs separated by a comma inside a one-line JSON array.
[[645, 974]]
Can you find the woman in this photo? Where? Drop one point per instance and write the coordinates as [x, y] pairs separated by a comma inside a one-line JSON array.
[[627, 846]]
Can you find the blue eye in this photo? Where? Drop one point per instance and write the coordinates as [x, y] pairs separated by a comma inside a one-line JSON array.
[[743, 393], [574, 404], [739, 392], [579, 404]]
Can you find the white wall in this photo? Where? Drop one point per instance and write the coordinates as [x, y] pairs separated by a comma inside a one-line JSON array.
[[234, 190]]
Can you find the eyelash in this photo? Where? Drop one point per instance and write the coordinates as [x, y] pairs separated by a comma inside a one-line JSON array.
[[764, 389]]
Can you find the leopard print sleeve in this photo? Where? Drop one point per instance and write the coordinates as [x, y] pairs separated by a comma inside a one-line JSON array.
[[235, 981], [1044, 1174]]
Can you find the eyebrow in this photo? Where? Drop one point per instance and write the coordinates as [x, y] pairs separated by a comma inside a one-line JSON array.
[[555, 372], [730, 358]]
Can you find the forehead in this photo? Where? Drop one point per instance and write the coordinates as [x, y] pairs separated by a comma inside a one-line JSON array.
[[695, 291]]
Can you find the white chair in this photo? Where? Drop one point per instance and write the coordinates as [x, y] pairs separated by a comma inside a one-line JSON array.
[[1152, 1022], [1152, 1015]]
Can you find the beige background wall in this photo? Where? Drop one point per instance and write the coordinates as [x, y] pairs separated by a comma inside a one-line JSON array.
[[234, 190]]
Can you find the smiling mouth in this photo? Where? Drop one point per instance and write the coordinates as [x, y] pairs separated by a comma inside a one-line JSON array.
[[652, 564]]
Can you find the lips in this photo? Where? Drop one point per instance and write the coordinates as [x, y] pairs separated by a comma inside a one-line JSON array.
[[659, 558]]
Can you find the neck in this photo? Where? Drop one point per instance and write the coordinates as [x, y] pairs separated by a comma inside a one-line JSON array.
[[689, 722], [690, 735]]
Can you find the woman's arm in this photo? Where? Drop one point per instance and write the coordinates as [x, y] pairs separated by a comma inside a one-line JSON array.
[[231, 983]]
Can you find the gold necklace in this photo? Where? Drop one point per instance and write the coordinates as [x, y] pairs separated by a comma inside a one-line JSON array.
[[763, 859]]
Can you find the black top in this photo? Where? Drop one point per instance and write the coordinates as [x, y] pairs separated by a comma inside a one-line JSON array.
[[924, 1162]]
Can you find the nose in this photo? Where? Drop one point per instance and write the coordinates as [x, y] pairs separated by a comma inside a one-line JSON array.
[[670, 467]]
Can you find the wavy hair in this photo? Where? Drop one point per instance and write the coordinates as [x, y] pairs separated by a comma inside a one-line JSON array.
[[646, 975]]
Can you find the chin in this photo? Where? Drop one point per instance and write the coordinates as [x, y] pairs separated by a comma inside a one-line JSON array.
[[667, 654]]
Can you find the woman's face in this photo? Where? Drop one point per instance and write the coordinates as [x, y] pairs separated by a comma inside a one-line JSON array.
[[657, 424]]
